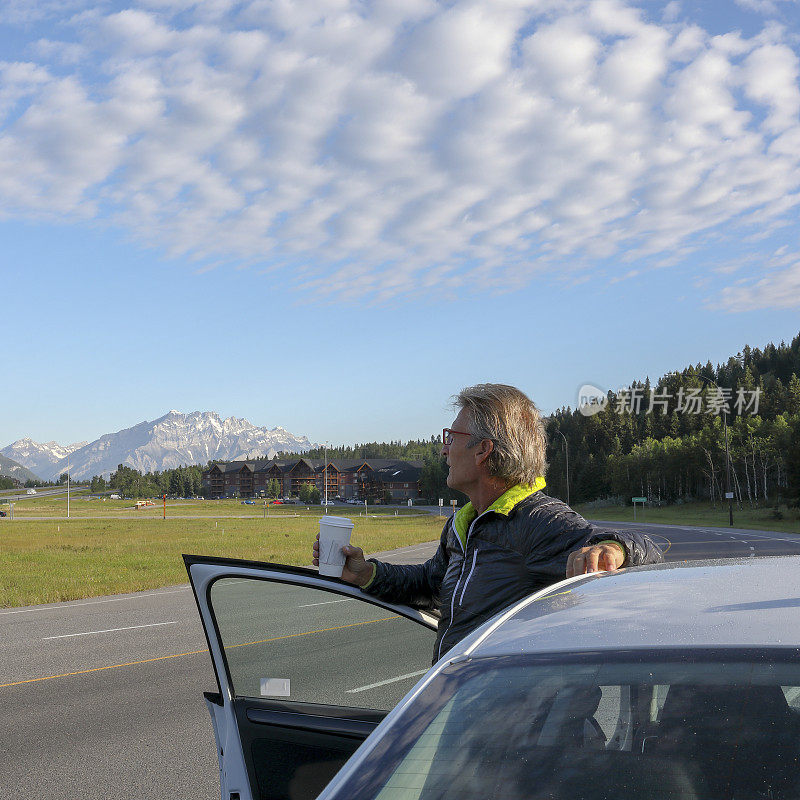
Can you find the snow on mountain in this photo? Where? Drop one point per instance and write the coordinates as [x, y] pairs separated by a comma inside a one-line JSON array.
[[40, 458], [173, 440]]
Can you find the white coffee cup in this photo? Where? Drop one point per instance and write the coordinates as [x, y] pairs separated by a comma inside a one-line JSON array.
[[334, 534]]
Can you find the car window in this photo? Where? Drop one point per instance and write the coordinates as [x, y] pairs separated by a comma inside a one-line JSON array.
[[792, 695], [523, 732], [298, 643], [658, 696], [609, 714]]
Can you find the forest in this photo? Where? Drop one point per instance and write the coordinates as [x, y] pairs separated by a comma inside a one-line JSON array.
[[129, 482], [649, 440]]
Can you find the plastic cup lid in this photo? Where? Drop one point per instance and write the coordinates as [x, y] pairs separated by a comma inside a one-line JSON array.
[[339, 522]]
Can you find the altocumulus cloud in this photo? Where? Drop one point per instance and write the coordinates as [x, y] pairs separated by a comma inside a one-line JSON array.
[[393, 147]]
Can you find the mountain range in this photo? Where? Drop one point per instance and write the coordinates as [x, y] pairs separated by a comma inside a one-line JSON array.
[[40, 458], [170, 441]]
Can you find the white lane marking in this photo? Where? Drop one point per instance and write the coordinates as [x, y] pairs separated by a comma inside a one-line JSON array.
[[108, 630], [391, 680], [68, 604], [325, 603], [760, 535]]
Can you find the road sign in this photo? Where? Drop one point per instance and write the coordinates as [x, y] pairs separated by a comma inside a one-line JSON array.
[[729, 495]]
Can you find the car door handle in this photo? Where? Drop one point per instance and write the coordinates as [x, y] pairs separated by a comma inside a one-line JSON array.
[[354, 728]]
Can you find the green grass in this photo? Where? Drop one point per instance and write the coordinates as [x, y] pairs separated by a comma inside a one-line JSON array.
[[702, 514], [47, 562], [84, 506]]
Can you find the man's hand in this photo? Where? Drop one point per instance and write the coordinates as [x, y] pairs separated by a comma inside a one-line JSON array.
[[608, 556], [357, 569]]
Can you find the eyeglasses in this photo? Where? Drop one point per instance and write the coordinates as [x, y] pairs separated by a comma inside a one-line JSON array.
[[447, 436]]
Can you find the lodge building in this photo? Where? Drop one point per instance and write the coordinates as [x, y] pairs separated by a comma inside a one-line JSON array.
[[360, 479]]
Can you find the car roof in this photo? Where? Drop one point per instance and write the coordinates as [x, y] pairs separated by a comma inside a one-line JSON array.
[[753, 602]]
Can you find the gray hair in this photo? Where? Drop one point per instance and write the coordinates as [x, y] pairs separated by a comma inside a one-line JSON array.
[[509, 418]]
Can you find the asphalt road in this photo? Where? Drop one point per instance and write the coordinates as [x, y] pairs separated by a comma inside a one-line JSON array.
[[44, 492], [682, 543], [102, 698]]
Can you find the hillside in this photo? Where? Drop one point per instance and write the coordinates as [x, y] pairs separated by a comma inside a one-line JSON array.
[[11, 469]]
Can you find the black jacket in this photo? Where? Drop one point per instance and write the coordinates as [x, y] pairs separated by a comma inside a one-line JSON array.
[[507, 558]]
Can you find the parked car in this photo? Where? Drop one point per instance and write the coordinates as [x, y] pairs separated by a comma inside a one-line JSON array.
[[672, 681], [327, 503], [248, 502]]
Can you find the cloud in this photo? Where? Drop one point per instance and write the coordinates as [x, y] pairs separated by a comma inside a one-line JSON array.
[[770, 77], [778, 290], [381, 150], [767, 7], [25, 12]]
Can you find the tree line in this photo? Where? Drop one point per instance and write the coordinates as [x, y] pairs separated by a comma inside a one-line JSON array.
[[129, 482], [671, 452]]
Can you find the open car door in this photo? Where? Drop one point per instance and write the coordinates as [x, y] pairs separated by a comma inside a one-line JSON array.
[[306, 666]]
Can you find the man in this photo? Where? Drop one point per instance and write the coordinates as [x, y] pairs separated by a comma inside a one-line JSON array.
[[511, 539]]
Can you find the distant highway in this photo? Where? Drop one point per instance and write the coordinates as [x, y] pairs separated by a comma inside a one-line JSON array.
[[48, 491], [103, 697]]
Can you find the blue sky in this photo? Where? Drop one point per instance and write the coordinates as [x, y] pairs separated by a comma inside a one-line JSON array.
[[331, 216]]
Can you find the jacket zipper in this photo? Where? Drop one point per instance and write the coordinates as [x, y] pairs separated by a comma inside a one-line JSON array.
[[461, 575], [466, 582]]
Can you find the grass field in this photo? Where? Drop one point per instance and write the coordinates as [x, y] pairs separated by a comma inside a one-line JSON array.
[[83, 506], [46, 562], [702, 514]]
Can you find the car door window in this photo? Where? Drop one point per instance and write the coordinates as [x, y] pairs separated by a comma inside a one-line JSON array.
[[608, 716], [299, 643], [513, 728]]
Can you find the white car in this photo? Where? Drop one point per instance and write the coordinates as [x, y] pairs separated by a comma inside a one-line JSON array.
[[656, 683]]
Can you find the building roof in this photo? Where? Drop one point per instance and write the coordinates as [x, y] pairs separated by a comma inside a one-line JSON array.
[[347, 464], [267, 464], [399, 471], [388, 469]]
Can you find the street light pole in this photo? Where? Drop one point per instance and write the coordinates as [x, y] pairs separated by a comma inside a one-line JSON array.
[[728, 491], [566, 451], [325, 477]]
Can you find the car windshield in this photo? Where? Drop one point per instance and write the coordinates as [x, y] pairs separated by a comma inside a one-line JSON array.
[[680, 725]]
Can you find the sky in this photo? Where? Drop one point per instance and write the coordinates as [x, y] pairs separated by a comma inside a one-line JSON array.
[[332, 215]]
